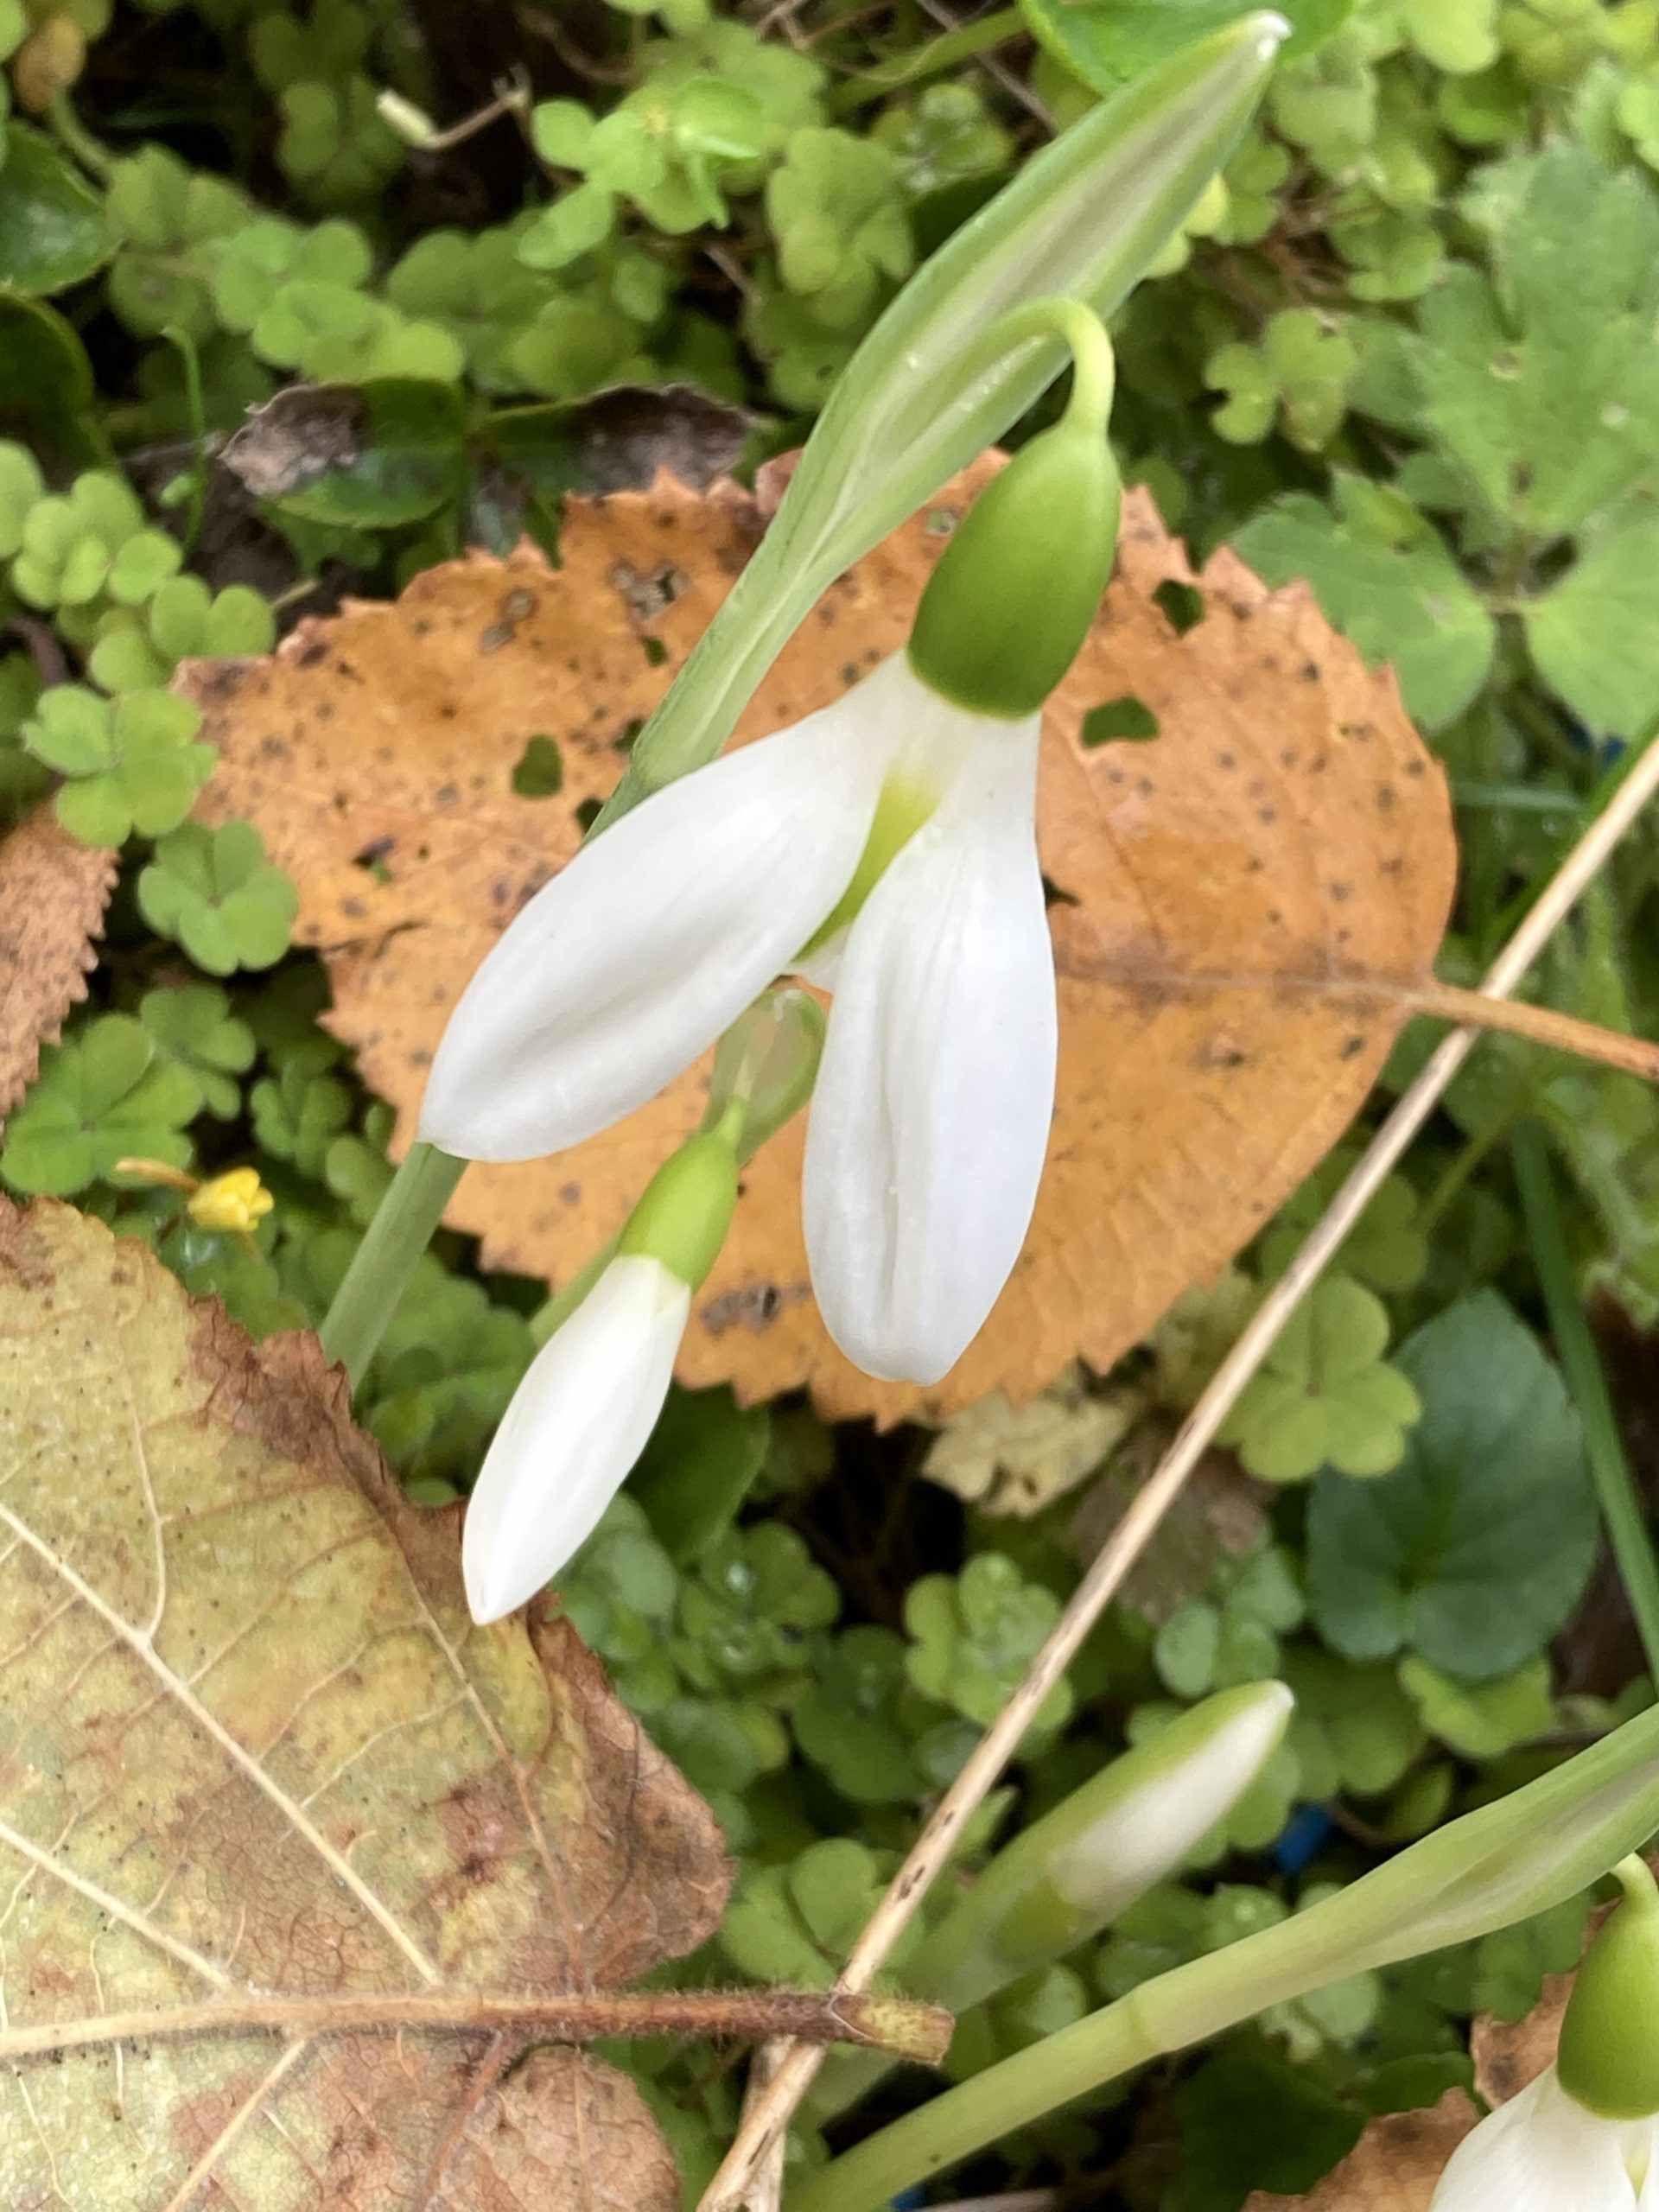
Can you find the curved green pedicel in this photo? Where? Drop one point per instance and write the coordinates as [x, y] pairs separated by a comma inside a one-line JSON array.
[[687, 1208], [1608, 2056], [1016, 590]]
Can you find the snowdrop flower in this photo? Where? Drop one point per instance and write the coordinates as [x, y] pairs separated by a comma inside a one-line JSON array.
[[585, 1410], [884, 846], [1544, 2153], [1584, 2137]]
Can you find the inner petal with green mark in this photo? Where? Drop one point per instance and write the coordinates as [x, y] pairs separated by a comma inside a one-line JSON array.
[[906, 802]]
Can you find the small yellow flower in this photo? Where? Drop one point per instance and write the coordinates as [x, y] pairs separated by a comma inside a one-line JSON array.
[[236, 1201]]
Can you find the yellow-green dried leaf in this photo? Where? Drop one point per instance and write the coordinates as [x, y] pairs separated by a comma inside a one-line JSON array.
[[284, 1839]]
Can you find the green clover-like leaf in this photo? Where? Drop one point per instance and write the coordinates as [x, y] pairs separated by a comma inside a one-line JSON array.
[[106, 1093], [213, 892], [1325, 1397]]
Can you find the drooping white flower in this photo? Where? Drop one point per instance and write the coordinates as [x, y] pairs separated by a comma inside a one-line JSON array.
[[931, 1117], [578, 1421], [1543, 2152]]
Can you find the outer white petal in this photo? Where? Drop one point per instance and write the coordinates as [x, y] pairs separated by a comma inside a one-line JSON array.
[[931, 1117], [577, 1423], [636, 956], [1540, 2152]]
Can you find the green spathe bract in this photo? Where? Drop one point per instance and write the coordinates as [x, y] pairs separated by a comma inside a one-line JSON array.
[[1509, 1860], [1008, 607], [932, 386], [1608, 2056]]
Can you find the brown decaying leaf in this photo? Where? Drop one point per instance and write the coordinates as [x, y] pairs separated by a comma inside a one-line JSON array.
[[1507, 2054], [52, 894], [1393, 2168], [253, 1754], [1236, 899]]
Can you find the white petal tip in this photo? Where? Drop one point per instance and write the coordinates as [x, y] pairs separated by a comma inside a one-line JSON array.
[[1272, 29], [495, 1587]]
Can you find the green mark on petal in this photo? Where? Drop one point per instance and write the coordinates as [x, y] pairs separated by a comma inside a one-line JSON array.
[[906, 803]]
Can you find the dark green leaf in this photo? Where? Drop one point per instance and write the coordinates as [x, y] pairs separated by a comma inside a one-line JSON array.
[[53, 231], [1475, 1550], [704, 1453]]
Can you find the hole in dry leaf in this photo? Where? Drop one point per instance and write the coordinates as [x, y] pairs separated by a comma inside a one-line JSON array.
[[540, 769], [588, 814], [656, 652], [1182, 604], [648, 594], [372, 858], [941, 523], [623, 741], [1125, 717]]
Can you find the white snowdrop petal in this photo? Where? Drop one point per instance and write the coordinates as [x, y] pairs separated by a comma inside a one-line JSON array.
[[930, 1117], [633, 960], [577, 1422], [1540, 2152]]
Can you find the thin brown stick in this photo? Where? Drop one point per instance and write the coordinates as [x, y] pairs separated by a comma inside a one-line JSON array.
[[918, 2031], [729, 2191], [1539, 1024]]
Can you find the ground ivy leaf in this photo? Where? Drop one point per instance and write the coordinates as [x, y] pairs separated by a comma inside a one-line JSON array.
[[52, 230], [318, 1790], [1473, 1552], [1481, 1720], [1107, 45], [1595, 636], [1382, 574]]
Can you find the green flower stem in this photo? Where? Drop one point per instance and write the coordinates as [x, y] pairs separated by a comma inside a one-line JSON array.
[[73, 135], [1635, 1877], [1621, 1506], [964, 44], [400, 1232], [1093, 369]]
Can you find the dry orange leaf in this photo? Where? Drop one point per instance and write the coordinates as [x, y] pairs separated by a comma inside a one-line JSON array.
[[1392, 2167], [1235, 899], [52, 894]]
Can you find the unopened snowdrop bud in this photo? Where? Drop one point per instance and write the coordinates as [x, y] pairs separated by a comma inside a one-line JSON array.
[[1075, 1870], [1017, 588], [1584, 2137], [582, 1415]]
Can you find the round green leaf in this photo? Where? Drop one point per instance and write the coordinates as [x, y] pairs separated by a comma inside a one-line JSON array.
[[52, 230], [1473, 1552]]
